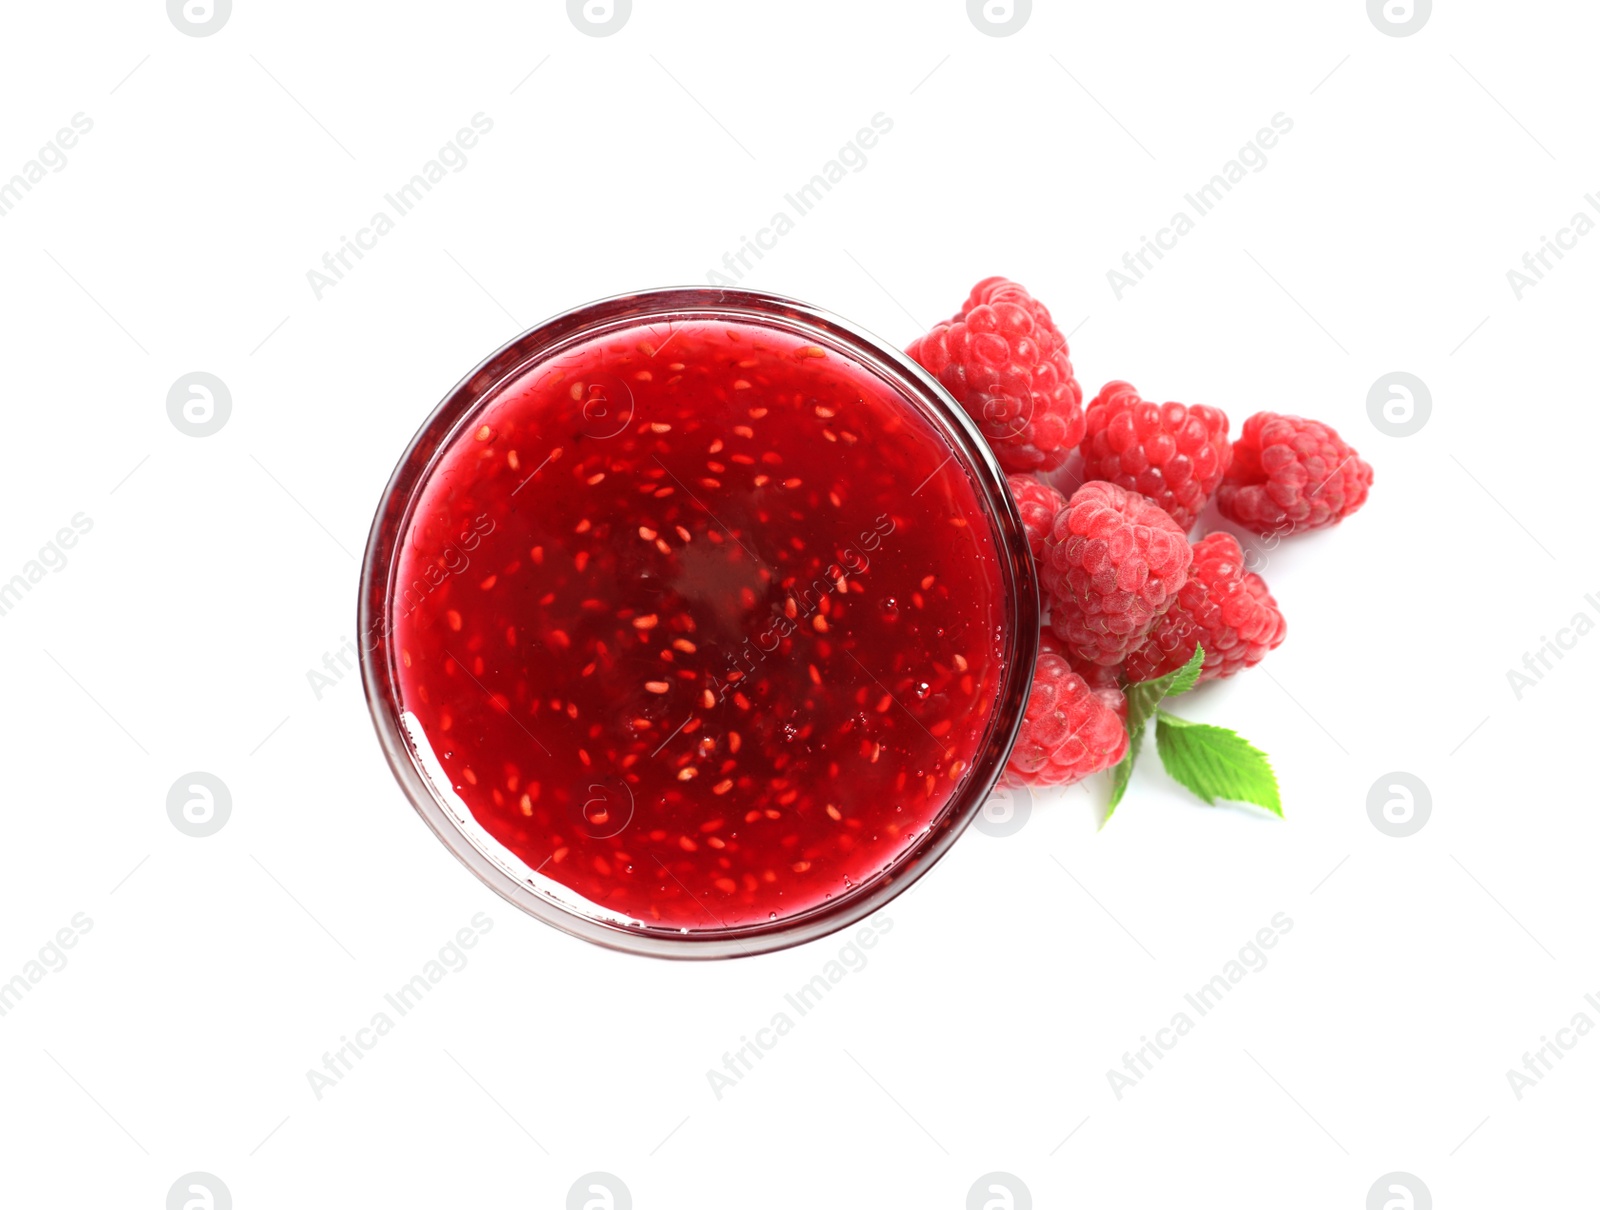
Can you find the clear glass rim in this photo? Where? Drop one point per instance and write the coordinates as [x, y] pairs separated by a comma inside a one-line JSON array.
[[547, 338]]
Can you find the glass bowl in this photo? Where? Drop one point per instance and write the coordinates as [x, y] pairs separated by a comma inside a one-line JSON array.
[[648, 727]]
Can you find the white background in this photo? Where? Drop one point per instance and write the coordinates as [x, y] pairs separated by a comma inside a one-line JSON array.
[[220, 570]]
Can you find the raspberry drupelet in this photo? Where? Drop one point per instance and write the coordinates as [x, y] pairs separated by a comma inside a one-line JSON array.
[[1068, 732], [1169, 453], [1107, 680], [1005, 362], [1038, 503], [1224, 608], [1290, 475], [1113, 564]]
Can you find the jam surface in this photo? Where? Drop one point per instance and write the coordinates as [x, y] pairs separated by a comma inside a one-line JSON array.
[[702, 623]]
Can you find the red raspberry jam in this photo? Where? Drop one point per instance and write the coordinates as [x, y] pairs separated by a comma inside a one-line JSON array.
[[703, 623]]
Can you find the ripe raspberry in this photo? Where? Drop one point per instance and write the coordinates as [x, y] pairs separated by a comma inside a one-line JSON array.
[[1113, 564], [1006, 363], [1105, 679], [1291, 475], [1224, 608], [1169, 453], [1112, 697], [1038, 503], [1067, 732]]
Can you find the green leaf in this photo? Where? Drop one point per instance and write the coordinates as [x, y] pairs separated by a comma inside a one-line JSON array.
[[1184, 679], [1216, 763], [1143, 699], [1123, 770]]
